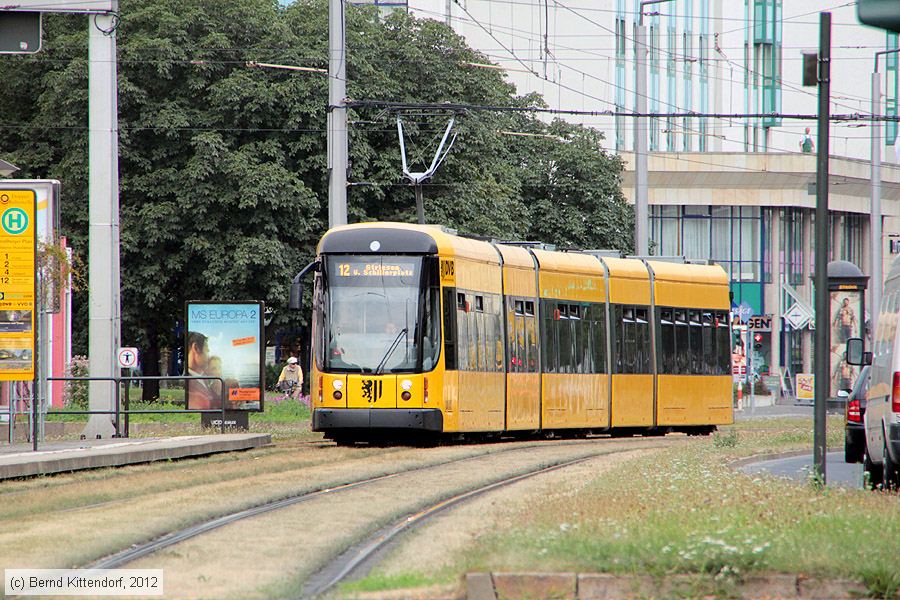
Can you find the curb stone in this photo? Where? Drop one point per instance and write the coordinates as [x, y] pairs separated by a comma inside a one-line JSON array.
[[604, 586], [535, 586]]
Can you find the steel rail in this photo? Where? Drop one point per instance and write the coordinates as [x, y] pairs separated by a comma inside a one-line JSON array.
[[138, 551], [366, 551]]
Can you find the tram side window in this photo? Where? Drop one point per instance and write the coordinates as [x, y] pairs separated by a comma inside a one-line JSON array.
[[584, 341], [521, 351], [511, 356], [477, 341], [642, 341], [565, 337], [531, 365], [431, 334], [666, 354], [709, 347], [549, 346], [682, 343], [450, 329], [696, 343], [462, 333], [723, 344], [598, 339], [496, 334], [625, 353]]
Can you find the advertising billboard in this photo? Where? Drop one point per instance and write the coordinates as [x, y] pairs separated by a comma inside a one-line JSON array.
[[225, 339], [846, 322]]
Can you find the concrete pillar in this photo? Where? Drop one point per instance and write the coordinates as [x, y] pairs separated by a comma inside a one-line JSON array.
[[805, 287], [837, 236], [866, 262], [773, 292]]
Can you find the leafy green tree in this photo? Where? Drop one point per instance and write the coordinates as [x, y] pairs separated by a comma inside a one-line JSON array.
[[223, 169]]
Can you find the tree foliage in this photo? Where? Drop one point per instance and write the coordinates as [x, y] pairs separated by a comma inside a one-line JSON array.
[[223, 167]]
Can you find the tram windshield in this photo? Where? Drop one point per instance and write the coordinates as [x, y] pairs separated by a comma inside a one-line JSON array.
[[380, 314]]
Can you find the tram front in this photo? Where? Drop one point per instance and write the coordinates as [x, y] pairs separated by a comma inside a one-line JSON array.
[[376, 332]]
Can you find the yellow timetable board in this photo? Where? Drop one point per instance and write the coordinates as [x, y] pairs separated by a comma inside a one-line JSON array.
[[18, 251]]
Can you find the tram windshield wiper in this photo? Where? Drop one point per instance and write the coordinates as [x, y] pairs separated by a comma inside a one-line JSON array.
[[390, 350]]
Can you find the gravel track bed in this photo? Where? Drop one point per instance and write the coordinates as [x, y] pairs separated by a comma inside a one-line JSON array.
[[271, 555], [42, 529]]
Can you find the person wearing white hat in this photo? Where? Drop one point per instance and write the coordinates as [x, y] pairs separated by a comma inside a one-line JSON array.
[[291, 378]]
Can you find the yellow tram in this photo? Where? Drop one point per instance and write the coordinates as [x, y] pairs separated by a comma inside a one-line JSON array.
[[418, 329]]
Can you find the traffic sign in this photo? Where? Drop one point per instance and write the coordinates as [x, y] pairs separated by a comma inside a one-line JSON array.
[[127, 357], [20, 32], [797, 316], [18, 251]]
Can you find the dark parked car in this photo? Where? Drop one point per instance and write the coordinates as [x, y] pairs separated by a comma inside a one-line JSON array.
[[854, 427]]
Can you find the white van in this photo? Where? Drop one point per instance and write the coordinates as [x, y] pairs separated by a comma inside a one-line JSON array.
[[881, 461]]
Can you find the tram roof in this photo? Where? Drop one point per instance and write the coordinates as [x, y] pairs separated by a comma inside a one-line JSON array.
[[444, 243], [674, 272], [569, 262], [515, 256], [627, 268]]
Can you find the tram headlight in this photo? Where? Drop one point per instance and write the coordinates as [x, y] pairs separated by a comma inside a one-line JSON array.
[[406, 395], [337, 395]]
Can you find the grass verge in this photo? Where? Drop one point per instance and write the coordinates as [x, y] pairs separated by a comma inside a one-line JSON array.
[[274, 411], [684, 510]]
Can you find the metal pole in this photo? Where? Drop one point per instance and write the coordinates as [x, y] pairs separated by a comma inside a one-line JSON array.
[[337, 116], [641, 216], [750, 350], [823, 331], [103, 188], [420, 204], [875, 226], [12, 411], [127, 402], [222, 395]]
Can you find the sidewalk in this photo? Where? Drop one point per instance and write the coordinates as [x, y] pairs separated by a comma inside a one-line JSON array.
[[17, 460]]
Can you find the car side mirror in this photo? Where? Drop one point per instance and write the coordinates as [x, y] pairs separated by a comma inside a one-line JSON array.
[[856, 354], [843, 394]]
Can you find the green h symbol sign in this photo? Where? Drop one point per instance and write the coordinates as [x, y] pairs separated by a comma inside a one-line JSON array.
[[14, 221]]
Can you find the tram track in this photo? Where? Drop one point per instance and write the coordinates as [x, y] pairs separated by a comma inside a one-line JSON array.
[[360, 558], [143, 550]]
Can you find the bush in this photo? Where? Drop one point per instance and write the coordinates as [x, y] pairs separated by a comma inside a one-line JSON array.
[[760, 389], [76, 392], [272, 373]]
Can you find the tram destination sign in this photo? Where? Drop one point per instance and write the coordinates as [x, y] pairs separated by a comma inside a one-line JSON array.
[[18, 253], [363, 270]]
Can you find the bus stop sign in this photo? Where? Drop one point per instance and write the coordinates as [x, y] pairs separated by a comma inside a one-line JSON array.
[[20, 32]]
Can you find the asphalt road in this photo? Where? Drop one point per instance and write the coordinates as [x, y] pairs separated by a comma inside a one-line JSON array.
[[837, 472]]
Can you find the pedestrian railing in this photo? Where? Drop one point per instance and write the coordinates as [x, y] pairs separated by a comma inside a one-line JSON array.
[[119, 412]]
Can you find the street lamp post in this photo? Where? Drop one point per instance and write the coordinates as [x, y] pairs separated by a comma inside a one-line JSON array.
[[641, 209]]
